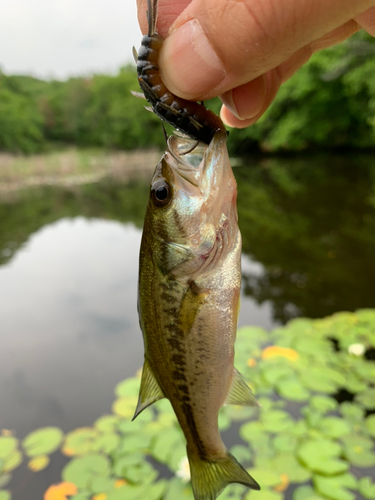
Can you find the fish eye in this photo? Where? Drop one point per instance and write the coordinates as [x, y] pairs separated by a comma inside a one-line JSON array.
[[161, 194]]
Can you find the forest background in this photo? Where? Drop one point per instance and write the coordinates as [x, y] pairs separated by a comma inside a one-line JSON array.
[[328, 104]]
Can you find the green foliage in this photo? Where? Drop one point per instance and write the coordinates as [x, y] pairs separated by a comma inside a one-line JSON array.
[[315, 446], [328, 103]]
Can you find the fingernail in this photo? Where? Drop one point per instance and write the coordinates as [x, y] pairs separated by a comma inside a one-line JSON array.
[[246, 101], [189, 65], [227, 100]]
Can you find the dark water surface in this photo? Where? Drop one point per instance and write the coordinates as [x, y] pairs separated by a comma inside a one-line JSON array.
[[68, 276]]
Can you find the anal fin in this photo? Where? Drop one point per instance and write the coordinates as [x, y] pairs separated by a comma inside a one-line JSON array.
[[150, 390], [240, 393]]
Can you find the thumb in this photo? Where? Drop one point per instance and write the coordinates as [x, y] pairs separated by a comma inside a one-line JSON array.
[[217, 45]]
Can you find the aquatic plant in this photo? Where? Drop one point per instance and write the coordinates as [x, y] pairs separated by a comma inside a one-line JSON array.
[[312, 439]]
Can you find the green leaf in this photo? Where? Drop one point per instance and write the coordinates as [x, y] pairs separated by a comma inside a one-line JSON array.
[[106, 443], [358, 450], [107, 423], [306, 493], [366, 398], [82, 470], [320, 456], [12, 461], [285, 442], [322, 379], [351, 412], [7, 446], [81, 496], [265, 476], [128, 387], [242, 453], [80, 441], [286, 463], [366, 487], [42, 441], [5, 479], [264, 495], [334, 427], [5, 495], [370, 425], [323, 404], [276, 421], [335, 487], [178, 490], [102, 484], [290, 388]]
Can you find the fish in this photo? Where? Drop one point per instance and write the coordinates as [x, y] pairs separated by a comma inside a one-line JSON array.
[[188, 303]]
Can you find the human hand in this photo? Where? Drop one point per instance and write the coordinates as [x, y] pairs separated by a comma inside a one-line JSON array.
[[243, 50]]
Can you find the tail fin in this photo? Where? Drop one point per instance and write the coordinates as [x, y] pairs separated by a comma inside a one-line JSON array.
[[209, 478]]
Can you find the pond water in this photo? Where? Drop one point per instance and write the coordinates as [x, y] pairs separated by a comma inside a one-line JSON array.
[[68, 276]]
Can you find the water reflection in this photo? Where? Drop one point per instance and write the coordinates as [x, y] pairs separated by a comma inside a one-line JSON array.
[[69, 327]]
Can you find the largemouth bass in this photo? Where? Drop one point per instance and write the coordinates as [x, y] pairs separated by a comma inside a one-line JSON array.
[[189, 286]]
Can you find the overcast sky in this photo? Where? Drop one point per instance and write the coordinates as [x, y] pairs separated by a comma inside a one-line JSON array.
[[60, 38]]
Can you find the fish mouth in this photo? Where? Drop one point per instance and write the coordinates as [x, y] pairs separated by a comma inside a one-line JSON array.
[[191, 157]]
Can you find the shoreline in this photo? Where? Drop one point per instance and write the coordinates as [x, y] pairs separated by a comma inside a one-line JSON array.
[[73, 167]]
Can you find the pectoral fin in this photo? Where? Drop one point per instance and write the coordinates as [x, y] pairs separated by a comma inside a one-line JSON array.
[[150, 390], [191, 304], [240, 393]]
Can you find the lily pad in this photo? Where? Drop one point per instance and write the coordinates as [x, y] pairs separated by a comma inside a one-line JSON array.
[[336, 487], [106, 442], [276, 421], [80, 441], [366, 487], [334, 427], [370, 425], [264, 495], [322, 403], [125, 406], [107, 423], [178, 490], [12, 461], [306, 493], [5, 495], [128, 387], [39, 463], [358, 450], [102, 484], [366, 398], [322, 379], [42, 441], [82, 470], [285, 442], [320, 455], [5, 479], [290, 388], [265, 476], [8, 444], [352, 412]]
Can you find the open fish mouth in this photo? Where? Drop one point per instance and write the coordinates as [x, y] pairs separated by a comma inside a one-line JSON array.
[[189, 156]]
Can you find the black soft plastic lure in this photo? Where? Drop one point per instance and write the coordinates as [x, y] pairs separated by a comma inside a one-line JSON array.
[[189, 117]]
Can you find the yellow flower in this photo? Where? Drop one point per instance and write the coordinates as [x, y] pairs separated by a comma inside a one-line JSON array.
[[60, 491], [274, 350], [284, 483]]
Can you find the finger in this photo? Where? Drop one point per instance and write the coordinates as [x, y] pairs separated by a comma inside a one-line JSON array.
[[220, 44], [248, 102], [168, 12], [367, 20]]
